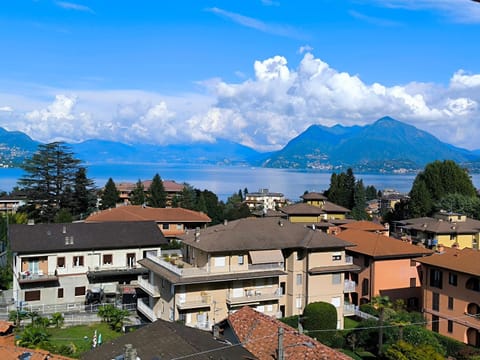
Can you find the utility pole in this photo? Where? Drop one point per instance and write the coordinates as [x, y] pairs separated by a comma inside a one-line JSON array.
[[281, 354]]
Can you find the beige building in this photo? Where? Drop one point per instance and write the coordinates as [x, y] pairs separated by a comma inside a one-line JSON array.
[[273, 265], [265, 200], [59, 263]]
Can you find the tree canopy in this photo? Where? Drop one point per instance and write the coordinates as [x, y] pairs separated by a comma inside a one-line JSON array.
[[157, 197], [110, 195], [439, 179]]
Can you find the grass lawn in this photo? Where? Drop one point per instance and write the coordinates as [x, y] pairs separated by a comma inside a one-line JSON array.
[[349, 323], [75, 336]]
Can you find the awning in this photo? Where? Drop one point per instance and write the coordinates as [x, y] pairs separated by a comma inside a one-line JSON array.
[[266, 256]]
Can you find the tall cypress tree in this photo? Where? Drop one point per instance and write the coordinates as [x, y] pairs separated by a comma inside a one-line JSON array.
[[138, 194], [84, 197], [110, 195], [360, 202], [157, 197]]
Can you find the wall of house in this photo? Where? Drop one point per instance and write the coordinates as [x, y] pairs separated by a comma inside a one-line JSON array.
[[461, 298], [318, 203], [304, 219], [295, 265], [397, 279]]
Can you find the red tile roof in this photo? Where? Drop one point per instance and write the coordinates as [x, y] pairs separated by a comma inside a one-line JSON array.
[[381, 246], [140, 213], [363, 225], [9, 351], [259, 335], [5, 326], [465, 260]]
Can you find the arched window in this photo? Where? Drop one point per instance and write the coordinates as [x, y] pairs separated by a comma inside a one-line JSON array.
[[473, 284]]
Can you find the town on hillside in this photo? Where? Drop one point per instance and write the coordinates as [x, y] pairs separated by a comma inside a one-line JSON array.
[[351, 272]]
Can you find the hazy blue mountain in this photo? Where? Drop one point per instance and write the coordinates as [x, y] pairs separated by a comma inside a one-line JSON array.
[[15, 146], [387, 144]]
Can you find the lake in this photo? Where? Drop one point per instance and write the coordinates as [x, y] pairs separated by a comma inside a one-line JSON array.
[[226, 180]]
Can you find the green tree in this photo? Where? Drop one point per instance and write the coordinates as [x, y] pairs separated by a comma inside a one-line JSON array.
[[57, 320], [467, 205], [405, 351], [215, 208], [188, 198], [437, 180], [138, 194], [110, 195], [381, 303], [371, 192], [113, 316], [157, 197], [320, 316], [84, 194], [63, 216], [33, 337], [360, 202], [342, 188], [48, 175]]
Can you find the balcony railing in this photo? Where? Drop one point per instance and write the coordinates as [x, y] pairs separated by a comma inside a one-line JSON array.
[[39, 276], [146, 310], [349, 286], [194, 302], [152, 290], [253, 296]]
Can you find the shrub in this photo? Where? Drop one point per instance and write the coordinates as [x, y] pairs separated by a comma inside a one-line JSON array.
[[290, 321], [318, 316]]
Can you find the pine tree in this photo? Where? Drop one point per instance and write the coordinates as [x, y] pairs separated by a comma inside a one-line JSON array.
[[110, 195], [360, 202], [138, 194], [84, 194], [49, 176], [157, 197]]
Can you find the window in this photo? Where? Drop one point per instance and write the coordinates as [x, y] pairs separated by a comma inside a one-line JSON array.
[[80, 291], [77, 261], [240, 259], [299, 279], [450, 303], [435, 301], [61, 262], [269, 308], [298, 302], [33, 295], [435, 321], [413, 282], [179, 226], [436, 277], [453, 237], [473, 284], [261, 308], [337, 257], [165, 226], [366, 261], [107, 259], [365, 286], [60, 293], [336, 279], [413, 262], [452, 279], [450, 326], [219, 261], [131, 262]]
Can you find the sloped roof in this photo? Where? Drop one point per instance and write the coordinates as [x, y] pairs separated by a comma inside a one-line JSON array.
[[313, 196], [380, 246], [465, 260], [302, 209], [258, 333], [439, 226], [261, 234], [330, 207], [40, 238], [363, 225], [168, 185], [145, 213], [168, 340]]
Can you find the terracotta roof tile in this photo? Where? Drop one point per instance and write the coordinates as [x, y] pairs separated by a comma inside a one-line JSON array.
[[363, 225], [259, 335], [381, 246], [465, 260], [9, 351], [145, 213], [5, 326]]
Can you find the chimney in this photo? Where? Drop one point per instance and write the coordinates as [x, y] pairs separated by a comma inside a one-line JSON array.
[[225, 222], [197, 234], [31, 222], [64, 230]]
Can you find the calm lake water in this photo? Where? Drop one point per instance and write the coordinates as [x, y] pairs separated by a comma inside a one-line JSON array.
[[226, 180]]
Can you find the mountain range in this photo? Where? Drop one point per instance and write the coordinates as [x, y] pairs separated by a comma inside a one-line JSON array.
[[387, 145]]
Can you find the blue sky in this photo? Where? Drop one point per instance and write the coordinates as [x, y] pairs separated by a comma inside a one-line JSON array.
[[257, 72]]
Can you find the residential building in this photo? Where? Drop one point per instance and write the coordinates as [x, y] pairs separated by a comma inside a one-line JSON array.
[[269, 263], [387, 267], [265, 200], [389, 199], [451, 293], [167, 340], [365, 225], [315, 208], [173, 222], [9, 204], [446, 228], [268, 338], [59, 263], [172, 189]]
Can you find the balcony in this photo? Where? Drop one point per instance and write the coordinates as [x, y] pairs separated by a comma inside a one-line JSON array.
[[252, 296], [198, 302], [108, 271], [146, 310], [349, 286], [150, 289], [27, 277]]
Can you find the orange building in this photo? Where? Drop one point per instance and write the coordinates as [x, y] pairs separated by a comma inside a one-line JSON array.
[[387, 266], [451, 293]]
